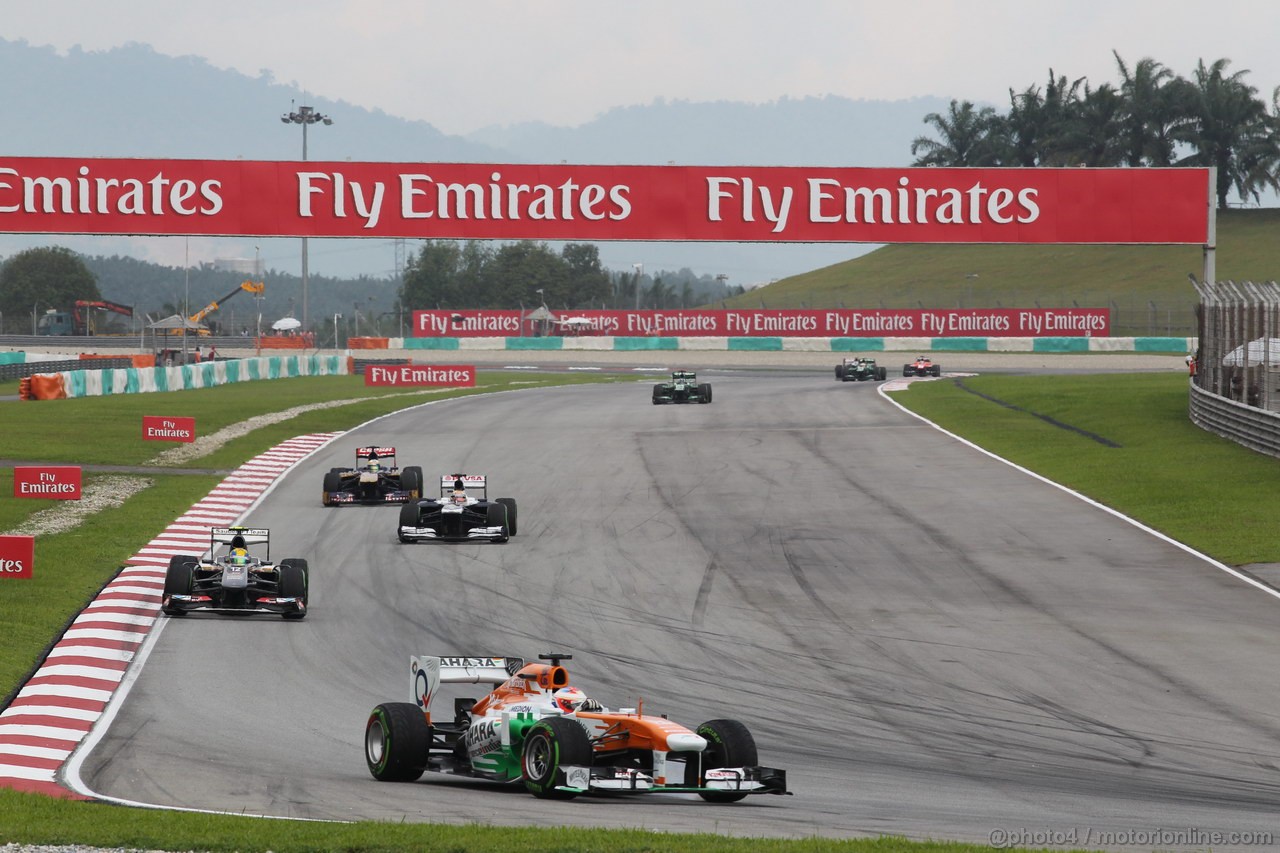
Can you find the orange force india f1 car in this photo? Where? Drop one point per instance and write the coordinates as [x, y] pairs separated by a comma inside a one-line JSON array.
[[534, 728]]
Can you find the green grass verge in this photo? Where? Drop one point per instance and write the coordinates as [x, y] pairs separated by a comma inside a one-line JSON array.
[[1201, 490]]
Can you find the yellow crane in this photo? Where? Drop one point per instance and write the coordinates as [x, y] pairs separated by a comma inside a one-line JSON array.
[[254, 287]]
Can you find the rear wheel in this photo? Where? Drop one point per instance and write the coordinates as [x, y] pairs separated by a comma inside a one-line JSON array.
[[935, 370], [332, 483], [906, 370], [839, 372], [294, 583], [704, 392], [510, 504], [397, 742], [177, 580], [657, 394], [882, 373], [729, 744], [411, 481], [551, 745], [408, 518]]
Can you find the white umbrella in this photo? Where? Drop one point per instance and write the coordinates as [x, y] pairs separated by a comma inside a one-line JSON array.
[[284, 324]]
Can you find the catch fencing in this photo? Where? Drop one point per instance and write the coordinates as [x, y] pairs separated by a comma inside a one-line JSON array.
[[1236, 386]]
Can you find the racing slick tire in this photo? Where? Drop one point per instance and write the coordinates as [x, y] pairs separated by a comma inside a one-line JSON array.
[[496, 516], [657, 395], [839, 372], [411, 481], [510, 504], [935, 370], [332, 483], [907, 370], [397, 742], [408, 518], [551, 744], [177, 580], [729, 744], [704, 392], [882, 373], [294, 583]]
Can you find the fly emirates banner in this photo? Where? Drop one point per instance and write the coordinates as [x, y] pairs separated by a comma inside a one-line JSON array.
[[46, 195]]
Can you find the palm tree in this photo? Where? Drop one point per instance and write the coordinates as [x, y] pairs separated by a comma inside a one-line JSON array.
[[1156, 102], [1231, 129], [1090, 134], [965, 137]]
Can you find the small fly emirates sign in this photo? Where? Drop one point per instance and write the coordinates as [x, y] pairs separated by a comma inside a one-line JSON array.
[[436, 375], [53, 482], [17, 556], [162, 428]]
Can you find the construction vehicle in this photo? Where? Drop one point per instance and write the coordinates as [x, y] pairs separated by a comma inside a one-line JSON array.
[[81, 319], [254, 287]]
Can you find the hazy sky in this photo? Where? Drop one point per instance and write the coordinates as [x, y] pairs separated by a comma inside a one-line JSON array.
[[466, 64]]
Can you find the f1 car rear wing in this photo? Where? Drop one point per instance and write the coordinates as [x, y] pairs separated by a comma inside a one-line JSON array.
[[426, 673], [239, 537], [363, 454], [470, 482]]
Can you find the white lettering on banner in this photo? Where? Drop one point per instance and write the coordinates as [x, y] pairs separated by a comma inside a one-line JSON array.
[[46, 488], [829, 201], [157, 196], [422, 197], [313, 183], [773, 210], [12, 566]]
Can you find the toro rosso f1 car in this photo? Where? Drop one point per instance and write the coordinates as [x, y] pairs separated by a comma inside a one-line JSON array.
[[374, 480], [534, 728], [462, 513], [232, 579], [922, 366], [859, 370], [684, 387]]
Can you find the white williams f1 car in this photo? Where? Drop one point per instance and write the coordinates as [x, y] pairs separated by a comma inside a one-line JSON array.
[[462, 513]]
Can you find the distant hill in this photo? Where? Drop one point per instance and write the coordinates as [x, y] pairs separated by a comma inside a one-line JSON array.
[[1147, 287], [134, 102]]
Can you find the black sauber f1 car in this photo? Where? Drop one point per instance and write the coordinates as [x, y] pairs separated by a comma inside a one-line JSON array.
[[922, 366], [462, 513], [684, 387], [374, 480], [231, 579]]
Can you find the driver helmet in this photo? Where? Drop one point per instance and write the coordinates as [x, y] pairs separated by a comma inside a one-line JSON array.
[[459, 497], [373, 461], [569, 699], [238, 557]]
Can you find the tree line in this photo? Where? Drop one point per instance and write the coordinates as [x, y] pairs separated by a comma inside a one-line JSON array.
[[1151, 117], [476, 274]]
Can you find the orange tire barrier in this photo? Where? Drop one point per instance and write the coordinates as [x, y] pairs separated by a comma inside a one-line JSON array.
[[24, 388], [48, 386], [368, 343]]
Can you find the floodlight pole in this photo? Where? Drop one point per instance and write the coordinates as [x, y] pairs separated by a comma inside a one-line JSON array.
[[305, 116]]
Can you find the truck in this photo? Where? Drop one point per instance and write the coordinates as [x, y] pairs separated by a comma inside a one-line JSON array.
[[81, 319]]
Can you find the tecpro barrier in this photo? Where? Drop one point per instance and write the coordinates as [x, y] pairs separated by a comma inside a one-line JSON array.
[[143, 380]]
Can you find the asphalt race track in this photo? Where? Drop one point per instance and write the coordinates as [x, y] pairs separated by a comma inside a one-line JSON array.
[[932, 643]]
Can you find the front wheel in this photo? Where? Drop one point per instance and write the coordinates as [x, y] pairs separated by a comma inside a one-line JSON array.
[[177, 580], [510, 504], [332, 483], [408, 518], [729, 744], [551, 745], [397, 742], [294, 583]]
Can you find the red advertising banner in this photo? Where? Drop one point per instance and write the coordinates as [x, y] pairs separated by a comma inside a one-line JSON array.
[[164, 428], [56, 482], [798, 323], [69, 195], [439, 375], [17, 556]]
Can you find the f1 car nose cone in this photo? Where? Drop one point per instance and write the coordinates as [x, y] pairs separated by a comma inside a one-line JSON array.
[[686, 742]]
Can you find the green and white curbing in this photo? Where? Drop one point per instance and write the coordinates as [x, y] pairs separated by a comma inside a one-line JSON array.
[[781, 344], [144, 380]]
